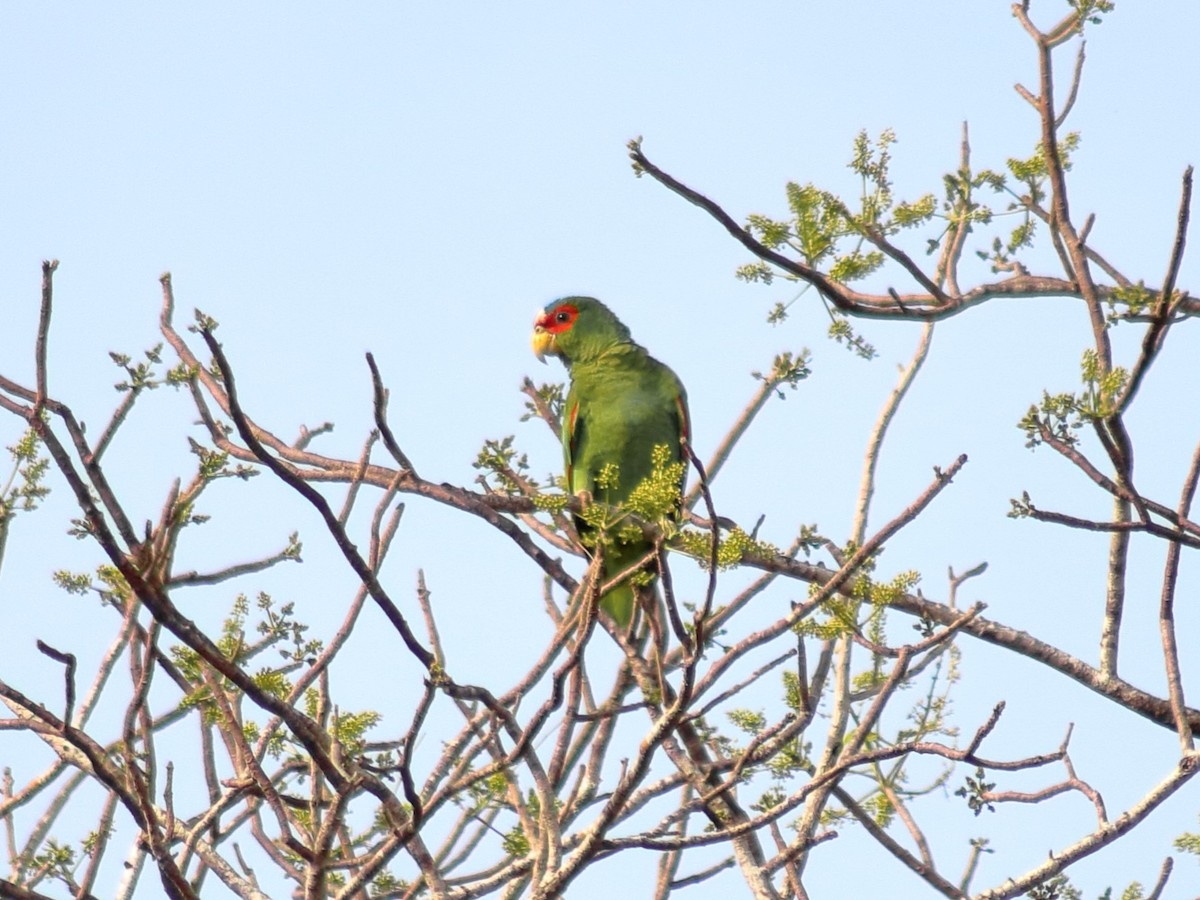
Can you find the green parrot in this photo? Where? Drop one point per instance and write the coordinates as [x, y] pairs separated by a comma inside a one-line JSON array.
[[621, 405]]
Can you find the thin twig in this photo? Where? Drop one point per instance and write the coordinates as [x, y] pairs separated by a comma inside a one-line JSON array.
[[68, 660]]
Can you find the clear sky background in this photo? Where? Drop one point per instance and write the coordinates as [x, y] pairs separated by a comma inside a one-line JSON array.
[[417, 179]]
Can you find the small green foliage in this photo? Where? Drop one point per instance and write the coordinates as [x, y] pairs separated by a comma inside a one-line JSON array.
[[883, 593], [738, 544], [92, 840], [139, 377], [929, 716], [25, 449], [294, 547], [214, 464], [867, 680], [116, 588], [1027, 192], [841, 331], [609, 477], [821, 220], [1022, 508], [920, 211], [826, 234], [987, 178], [78, 583], [656, 498], [1057, 888], [279, 626], [303, 818], [596, 519], [1102, 388], [635, 146], [810, 539], [1030, 171], [769, 799], [787, 369], [385, 884], [842, 614], [552, 396], [755, 271], [855, 265], [276, 744], [58, 860], [1022, 235], [881, 809], [770, 232], [792, 695], [24, 488], [312, 703], [80, 529], [960, 206], [791, 759], [642, 578], [347, 729], [510, 469], [350, 728], [1058, 416], [871, 161], [817, 222], [1092, 11], [488, 790], [551, 503], [832, 816], [839, 618], [233, 635], [1035, 169], [183, 516], [735, 546], [187, 661], [180, 375], [747, 720], [1032, 174], [273, 682], [1188, 842], [975, 790], [1123, 302], [203, 322]]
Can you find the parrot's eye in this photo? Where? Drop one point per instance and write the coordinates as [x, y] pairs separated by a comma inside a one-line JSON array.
[[559, 319]]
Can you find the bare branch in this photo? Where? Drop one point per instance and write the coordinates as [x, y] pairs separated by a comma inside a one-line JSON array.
[[357, 563], [875, 443], [1106, 834], [1166, 614], [1073, 92], [1156, 333], [68, 660]]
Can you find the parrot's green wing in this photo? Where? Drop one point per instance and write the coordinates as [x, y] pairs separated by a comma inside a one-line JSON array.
[[617, 411]]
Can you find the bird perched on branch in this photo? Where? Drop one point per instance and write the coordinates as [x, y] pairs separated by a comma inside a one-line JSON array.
[[624, 425]]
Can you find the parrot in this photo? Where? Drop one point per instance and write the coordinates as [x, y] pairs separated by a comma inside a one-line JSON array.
[[621, 404]]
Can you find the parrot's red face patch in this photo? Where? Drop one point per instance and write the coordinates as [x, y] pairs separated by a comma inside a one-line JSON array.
[[559, 319]]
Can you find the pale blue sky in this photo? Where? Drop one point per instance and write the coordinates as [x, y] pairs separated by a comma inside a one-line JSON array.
[[416, 179]]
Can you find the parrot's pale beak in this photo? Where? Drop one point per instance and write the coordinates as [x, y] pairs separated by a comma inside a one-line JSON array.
[[543, 343]]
